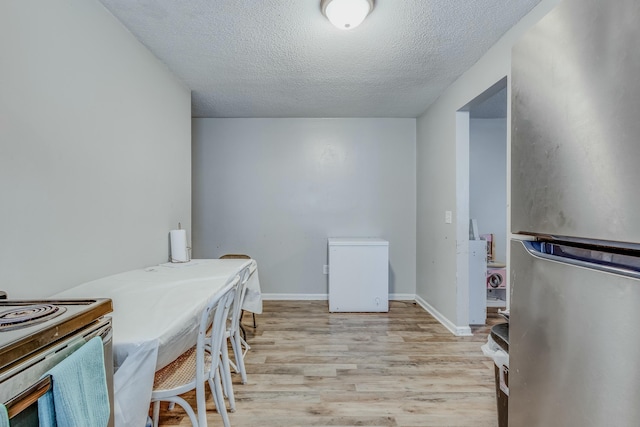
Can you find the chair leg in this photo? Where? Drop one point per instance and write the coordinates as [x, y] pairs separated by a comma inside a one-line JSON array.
[[201, 405], [227, 384], [218, 399], [244, 333], [236, 343], [156, 413], [189, 410], [185, 405], [254, 319]]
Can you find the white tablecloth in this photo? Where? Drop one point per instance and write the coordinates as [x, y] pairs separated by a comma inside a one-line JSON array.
[[156, 311]]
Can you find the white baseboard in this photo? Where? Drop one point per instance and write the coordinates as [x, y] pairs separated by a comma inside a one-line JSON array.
[[402, 297], [459, 331], [325, 297], [299, 297]]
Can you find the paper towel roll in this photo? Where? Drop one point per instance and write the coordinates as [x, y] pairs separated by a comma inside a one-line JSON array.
[[179, 251]]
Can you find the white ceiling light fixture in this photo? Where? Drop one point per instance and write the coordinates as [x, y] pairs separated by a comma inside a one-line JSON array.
[[346, 14]]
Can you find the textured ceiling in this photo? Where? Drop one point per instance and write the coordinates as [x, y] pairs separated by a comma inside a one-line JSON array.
[[282, 58]]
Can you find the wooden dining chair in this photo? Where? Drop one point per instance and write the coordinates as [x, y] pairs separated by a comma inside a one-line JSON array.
[[200, 364]]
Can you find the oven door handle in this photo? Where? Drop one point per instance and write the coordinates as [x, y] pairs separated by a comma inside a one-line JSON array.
[[28, 397]]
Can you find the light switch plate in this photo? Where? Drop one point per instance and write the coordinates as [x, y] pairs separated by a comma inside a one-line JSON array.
[[448, 217]]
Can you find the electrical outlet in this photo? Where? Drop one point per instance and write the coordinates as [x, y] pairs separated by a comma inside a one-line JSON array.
[[448, 217], [325, 269]]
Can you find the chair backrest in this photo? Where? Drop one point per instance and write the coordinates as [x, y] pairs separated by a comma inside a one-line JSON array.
[[215, 317], [235, 256]]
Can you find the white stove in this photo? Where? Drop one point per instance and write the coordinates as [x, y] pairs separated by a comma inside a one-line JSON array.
[[27, 326], [35, 335]]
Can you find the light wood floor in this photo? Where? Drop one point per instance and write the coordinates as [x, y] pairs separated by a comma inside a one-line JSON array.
[[309, 367]]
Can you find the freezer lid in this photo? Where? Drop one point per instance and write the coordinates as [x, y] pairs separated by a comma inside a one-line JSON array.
[[357, 241], [575, 102]]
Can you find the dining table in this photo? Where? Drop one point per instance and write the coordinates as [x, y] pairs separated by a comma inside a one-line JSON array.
[[156, 314]]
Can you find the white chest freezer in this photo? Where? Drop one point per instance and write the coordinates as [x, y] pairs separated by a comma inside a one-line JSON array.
[[358, 275]]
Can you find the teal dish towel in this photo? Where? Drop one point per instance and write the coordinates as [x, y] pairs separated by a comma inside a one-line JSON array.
[[4, 416], [79, 396]]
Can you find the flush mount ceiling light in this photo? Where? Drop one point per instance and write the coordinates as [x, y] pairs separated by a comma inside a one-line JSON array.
[[346, 14]]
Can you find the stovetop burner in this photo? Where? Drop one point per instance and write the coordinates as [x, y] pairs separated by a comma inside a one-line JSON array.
[[21, 317]]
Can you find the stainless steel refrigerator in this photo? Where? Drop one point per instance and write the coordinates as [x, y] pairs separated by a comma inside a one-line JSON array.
[[575, 203]]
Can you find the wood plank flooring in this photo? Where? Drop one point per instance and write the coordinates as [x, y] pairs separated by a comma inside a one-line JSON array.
[[309, 367]]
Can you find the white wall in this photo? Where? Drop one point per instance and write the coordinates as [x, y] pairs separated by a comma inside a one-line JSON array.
[[488, 180], [438, 243], [95, 138], [276, 189]]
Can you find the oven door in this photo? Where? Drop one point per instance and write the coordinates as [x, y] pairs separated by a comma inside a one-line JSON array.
[[22, 384]]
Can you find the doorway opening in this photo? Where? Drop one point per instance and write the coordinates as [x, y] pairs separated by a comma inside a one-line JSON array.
[[481, 203]]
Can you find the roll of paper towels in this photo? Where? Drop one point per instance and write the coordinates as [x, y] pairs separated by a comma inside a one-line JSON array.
[[179, 251]]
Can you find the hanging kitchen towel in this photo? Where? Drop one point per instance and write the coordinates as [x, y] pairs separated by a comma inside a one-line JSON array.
[[4, 416], [46, 411], [79, 396]]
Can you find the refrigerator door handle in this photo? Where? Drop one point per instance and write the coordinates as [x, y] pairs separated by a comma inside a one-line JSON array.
[[541, 250]]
